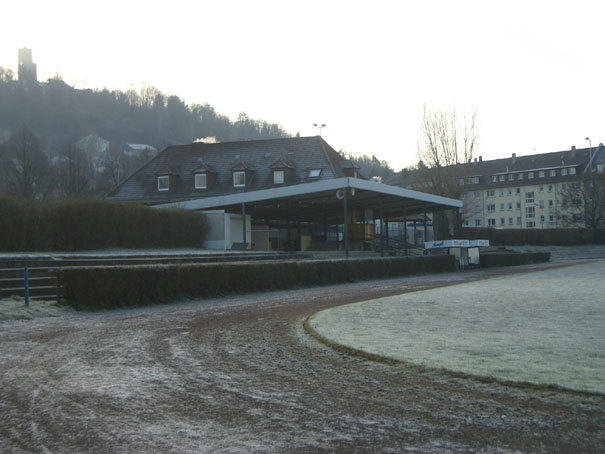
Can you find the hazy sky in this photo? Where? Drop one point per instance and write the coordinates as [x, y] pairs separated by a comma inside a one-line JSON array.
[[535, 70]]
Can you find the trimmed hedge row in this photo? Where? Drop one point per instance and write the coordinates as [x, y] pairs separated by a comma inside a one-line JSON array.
[[536, 237], [92, 224], [491, 260], [110, 287]]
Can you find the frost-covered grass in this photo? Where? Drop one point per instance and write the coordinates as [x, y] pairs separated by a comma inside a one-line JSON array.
[[544, 328], [14, 308]]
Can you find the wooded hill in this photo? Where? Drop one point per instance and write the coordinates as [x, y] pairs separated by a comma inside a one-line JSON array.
[[58, 114]]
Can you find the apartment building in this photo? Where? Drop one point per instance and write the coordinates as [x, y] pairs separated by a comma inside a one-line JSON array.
[[521, 192]]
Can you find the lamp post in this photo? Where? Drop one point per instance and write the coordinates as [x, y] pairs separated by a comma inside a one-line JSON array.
[[320, 126], [590, 158]]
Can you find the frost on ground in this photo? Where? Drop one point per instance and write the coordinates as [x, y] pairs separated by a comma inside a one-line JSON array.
[[14, 308], [543, 328]]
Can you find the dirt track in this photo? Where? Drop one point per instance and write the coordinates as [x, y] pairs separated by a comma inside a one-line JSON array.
[[241, 375]]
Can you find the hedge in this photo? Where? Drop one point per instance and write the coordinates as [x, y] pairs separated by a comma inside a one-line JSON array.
[[491, 260], [108, 287], [536, 237], [92, 224]]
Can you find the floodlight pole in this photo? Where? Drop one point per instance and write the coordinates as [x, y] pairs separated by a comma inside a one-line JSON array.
[[320, 126]]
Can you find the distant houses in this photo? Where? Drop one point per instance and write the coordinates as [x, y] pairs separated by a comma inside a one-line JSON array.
[[541, 191]]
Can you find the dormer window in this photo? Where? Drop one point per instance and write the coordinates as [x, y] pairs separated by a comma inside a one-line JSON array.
[[163, 183], [314, 173], [239, 179], [201, 181], [278, 177]]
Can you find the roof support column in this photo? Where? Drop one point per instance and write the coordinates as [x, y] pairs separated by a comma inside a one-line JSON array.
[[288, 232], [386, 231], [244, 225], [380, 215], [345, 228], [426, 227], [405, 229]]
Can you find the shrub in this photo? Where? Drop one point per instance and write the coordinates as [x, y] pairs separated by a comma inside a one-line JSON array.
[[109, 287], [536, 237], [92, 224], [510, 259]]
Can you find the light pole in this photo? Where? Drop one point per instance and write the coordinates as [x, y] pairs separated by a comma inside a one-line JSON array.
[[320, 126], [590, 157]]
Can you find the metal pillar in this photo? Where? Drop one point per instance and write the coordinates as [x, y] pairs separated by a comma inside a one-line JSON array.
[[288, 233], [405, 230], [426, 227], [380, 215], [386, 231], [244, 224], [345, 228]]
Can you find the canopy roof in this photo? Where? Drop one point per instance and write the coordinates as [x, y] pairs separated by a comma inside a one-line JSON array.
[[323, 200]]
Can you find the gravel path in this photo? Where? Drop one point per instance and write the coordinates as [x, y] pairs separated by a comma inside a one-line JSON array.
[[240, 375]]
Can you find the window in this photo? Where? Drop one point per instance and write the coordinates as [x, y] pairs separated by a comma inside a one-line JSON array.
[[552, 173], [201, 181], [550, 188], [529, 197], [461, 181], [541, 174], [163, 183], [494, 178], [511, 177], [477, 222], [541, 188], [530, 224], [518, 220], [278, 177], [551, 218], [239, 179], [501, 221], [510, 192], [542, 219], [501, 192], [572, 171], [518, 191], [600, 168], [541, 203], [491, 221], [510, 206], [314, 173], [530, 175], [518, 205], [473, 180], [491, 193], [501, 207], [510, 221], [530, 212], [563, 172], [501, 177], [491, 208], [520, 176], [550, 203]]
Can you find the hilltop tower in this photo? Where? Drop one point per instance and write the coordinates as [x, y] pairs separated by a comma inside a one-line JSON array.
[[28, 71]]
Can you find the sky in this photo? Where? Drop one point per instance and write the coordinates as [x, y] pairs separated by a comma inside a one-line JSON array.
[[533, 70]]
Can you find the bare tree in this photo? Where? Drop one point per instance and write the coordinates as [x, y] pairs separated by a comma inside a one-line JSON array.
[[75, 172], [24, 165], [446, 141], [583, 202]]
